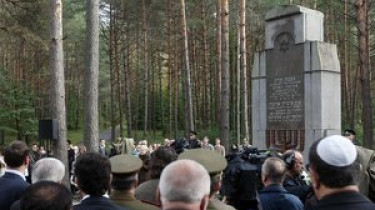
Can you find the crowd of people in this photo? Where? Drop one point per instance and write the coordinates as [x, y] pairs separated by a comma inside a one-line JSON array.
[[189, 174]]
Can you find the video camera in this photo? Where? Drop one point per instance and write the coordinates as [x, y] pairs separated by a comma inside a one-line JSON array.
[[242, 177]]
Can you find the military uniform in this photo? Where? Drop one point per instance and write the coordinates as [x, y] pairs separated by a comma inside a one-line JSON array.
[[146, 191], [214, 163], [367, 175], [215, 204], [126, 199], [125, 169]]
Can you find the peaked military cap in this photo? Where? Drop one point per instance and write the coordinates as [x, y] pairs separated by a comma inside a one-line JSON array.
[[213, 162], [123, 164]]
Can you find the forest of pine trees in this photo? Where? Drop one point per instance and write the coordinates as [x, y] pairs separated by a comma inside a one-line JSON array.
[[159, 68]]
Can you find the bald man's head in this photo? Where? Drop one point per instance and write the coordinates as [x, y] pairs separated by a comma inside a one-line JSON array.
[[273, 171], [184, 181]]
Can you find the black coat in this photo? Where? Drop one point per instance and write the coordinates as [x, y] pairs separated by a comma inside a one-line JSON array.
[[298, 187], [345, 201], [12, 187], [97, 203]]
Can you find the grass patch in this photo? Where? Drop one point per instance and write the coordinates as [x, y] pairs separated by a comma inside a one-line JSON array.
[[76, 136]]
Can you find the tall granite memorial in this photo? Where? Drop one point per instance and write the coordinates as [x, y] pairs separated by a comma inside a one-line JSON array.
[[295, 82]]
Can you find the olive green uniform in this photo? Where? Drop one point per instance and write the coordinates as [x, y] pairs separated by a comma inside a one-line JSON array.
[[367, 174], [215, 204], [126, 199], [147, 191]]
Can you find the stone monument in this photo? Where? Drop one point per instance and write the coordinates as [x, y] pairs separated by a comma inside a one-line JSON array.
[[296, 96]]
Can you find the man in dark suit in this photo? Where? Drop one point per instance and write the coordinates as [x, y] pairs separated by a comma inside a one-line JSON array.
[[335, 174], [13, 183], [93, 173], [274, 196]]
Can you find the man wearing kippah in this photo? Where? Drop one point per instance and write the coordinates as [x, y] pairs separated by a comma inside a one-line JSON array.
[[334, 170]]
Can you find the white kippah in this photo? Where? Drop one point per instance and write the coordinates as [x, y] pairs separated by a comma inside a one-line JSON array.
[[337, 151]]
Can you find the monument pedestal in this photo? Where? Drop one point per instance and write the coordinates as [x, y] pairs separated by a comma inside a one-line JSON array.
[[296, 82]]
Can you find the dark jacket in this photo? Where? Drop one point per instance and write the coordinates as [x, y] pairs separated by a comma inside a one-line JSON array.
[[275, 197], [97, 203], [12, 187], [192, 144], [345, 201], [298, 187]]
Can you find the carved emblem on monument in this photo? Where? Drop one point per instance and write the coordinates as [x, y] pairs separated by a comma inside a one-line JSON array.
[[285, 94], [283, 41]]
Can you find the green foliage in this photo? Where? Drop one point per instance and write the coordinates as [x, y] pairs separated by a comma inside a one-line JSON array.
[[17, 113], [76, 136]]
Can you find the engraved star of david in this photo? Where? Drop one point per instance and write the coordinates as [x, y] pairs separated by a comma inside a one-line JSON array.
[[284, 46]]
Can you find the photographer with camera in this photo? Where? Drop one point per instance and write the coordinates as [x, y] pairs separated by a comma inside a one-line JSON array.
[[294, 181], [241, 179]]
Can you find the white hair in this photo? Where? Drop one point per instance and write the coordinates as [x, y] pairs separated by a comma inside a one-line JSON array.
[[48, 169], [184, 181]]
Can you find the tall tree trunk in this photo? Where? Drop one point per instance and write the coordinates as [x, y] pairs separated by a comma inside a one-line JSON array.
[[58, 82], [91, 128], [127, 75], [225, 77], [345, 71], [238, 87], [177, 87], [364, 59], [170, 70], [244, 67], [206, 70], [117, 76], [218, 62], [189, 119], [111, 70], [146, 61]]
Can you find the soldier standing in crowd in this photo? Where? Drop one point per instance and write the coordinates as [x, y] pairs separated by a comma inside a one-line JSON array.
[[160, 158], [125, 170], [193, 142], [214, 163], [367, 170]]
